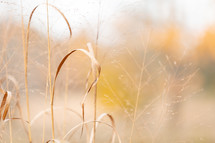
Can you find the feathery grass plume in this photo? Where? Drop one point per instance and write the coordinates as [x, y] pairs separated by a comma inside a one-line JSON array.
[[143, 67]]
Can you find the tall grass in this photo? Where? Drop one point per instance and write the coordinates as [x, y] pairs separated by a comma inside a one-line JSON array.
[[25, 54], [130, 98], [52, 88], [49, 60]]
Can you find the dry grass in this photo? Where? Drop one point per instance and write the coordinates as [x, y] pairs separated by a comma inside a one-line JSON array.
[[143, 70]]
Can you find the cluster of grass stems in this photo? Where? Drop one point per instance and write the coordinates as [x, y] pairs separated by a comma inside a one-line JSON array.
[[95, 70], [91, 87]]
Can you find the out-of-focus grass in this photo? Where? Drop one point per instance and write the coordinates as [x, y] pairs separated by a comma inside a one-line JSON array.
[[152, 87]]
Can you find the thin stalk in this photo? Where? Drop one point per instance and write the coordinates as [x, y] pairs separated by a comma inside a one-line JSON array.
[[10, 127], [49, 69], [66, 97], [49, 53], [44, 116], [136, 103], [9, 110], [95, 109], [95, 75], [25, 53]]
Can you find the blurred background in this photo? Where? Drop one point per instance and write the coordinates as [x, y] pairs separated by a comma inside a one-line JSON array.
[[157, 56]]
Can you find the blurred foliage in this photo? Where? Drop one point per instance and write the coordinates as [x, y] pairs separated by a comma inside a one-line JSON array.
[[205, 58], [205, 49], [169, 40]]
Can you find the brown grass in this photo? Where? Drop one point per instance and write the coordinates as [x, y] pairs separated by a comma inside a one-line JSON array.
[[130, 98]]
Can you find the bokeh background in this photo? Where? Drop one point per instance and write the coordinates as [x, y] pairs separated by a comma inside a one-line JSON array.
[[162, 51]]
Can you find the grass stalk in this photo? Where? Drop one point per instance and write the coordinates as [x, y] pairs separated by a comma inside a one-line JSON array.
[[95, 75], [25, 54], [136, 104], [66, 97], [10, 127], [49, 55], [49, 68], [9, 110], [44, 116]]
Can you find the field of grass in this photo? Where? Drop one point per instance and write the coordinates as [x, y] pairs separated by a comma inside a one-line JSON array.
[[145, 87]]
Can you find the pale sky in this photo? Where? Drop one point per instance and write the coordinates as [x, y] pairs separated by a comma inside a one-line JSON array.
[[195, 15]]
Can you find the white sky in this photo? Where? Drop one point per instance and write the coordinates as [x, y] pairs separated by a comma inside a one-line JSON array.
[[195, 15], [199, 13]]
